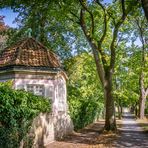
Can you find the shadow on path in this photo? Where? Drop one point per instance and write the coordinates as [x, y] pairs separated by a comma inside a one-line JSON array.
[[89, 137], [132, 135]]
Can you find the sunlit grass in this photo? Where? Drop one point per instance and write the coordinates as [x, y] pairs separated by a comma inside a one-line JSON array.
[[143, 123]]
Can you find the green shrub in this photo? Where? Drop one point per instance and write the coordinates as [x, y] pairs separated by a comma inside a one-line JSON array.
[[17, 110], [84, 111], [85, 94]]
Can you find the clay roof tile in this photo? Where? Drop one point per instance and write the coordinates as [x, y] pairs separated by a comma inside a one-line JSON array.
[[29, 52]]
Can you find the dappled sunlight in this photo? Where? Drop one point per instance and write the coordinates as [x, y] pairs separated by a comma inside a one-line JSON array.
[[129, 134], [132, 135], [90, 136]]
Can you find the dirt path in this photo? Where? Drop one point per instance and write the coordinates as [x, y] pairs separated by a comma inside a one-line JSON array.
[[131, 135], [89, 137]]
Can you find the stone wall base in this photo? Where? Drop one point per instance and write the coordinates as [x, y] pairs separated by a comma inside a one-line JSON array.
[[46, 128], [62, 126]]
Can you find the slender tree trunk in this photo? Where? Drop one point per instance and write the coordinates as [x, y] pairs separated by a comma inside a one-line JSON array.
[[119, 109], [110, 121], [142, 98], [143, 91], [136, 109], [120, 112]]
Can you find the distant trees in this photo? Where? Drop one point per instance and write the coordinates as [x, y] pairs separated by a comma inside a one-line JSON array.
[[3, 30]]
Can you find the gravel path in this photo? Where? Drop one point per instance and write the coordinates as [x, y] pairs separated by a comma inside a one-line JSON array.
[[132, 135]]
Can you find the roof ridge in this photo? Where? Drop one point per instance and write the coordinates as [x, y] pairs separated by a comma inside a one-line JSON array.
[[39, 43], [48, 52], [20, 50]]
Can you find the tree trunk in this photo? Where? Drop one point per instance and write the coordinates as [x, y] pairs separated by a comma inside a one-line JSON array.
[[136, 109], [142, 107], [143, 92], [119, 112], [145, 7], [110, 121], [142, 98]]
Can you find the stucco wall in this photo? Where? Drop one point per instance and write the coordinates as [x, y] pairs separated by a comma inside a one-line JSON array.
[[41, 132], [55, 89], [47, 127]]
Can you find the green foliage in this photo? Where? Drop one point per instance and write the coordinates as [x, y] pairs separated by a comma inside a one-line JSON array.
[[84, 111], [58, 27], [17, 110], [84, 91]]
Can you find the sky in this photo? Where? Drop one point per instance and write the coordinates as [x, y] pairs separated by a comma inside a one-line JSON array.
[[10, 17]]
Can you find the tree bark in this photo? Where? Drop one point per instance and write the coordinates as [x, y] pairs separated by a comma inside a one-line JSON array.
[[137, 109], [142, 98], [110, 121], [106, 79], [143, 91], [145, 7], [119, 111], [104, 70]]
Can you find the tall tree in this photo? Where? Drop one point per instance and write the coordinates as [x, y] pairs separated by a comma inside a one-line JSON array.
[[145, 7], [105, 60], [141, 26], [49, 25], [100, 24], [3, 30]]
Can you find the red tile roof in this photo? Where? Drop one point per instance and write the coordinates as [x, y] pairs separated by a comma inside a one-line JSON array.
[[28, 52]]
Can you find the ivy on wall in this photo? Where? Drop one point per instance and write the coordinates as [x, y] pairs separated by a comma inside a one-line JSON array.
[[17, 110]]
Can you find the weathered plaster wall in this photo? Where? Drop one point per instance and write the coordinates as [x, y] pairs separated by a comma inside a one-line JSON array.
[[42, 131], [47, 127], [55, 89]]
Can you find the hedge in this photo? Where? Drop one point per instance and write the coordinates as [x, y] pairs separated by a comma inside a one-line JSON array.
[[17, 110]]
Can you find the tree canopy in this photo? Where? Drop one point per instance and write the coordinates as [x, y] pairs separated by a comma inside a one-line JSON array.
[[97, 45]]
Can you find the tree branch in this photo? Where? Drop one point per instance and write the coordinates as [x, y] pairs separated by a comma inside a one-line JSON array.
[[142, 41], [91, 16], [105, 23], [115, 34], [100, 69], [104, 34], [74, 15]]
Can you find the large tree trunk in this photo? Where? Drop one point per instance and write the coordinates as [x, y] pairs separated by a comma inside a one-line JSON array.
[[104, 70], [110, 121], [142, 98], [145, 7], [143, 91], [142, 107], [106, 81]]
